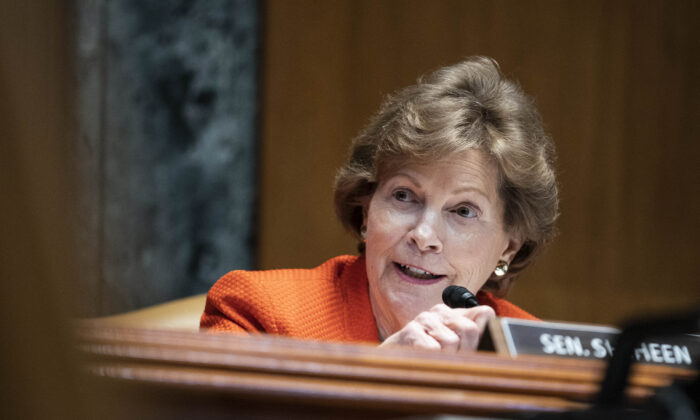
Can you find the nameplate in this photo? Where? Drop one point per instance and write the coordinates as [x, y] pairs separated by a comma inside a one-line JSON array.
[[519, 337]]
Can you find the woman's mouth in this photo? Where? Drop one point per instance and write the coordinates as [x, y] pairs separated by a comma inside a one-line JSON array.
[[417, 275]]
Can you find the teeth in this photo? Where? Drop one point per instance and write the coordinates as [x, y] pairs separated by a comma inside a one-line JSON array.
[[417, 273]]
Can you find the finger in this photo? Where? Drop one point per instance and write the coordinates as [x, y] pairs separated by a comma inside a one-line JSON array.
[[463, 330], [481, 315], [425, 341], [434, 326], [469, 324], [414, 335], [478, 317], [466, 331]]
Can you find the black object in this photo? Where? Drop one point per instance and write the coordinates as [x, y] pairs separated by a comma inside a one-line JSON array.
[[613, 386], [679, 401], [459, 297]]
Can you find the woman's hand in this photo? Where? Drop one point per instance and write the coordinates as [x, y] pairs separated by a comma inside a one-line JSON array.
[[444, 328]]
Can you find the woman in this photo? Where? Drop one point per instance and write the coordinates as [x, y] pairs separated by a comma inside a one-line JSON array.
[[451, 183]]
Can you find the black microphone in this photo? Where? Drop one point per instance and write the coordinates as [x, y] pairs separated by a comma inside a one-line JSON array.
[[459, 297]]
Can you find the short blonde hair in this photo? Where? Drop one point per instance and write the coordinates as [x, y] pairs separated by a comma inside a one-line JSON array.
[[469, 105]]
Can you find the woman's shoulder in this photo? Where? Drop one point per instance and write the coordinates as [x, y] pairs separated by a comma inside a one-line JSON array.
[[260, 284], [295, 302], [502, 307], [330, 269]]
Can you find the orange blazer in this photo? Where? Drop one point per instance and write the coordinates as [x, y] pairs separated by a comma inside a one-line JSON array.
[[329, 302]]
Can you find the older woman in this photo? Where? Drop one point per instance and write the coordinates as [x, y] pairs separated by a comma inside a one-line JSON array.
[[451, 183]]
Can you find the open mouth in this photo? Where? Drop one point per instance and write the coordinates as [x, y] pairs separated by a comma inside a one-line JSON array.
[[417, 273]]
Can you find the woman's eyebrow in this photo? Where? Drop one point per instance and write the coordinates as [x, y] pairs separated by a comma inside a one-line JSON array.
[[410, 177], [470, 188], [458, 190]]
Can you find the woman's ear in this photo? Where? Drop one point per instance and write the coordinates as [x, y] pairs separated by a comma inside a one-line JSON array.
[[512, 248]]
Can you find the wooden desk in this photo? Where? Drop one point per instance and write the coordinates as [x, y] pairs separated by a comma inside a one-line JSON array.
[[181, 373]]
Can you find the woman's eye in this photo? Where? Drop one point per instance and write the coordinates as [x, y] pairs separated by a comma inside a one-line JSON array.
[[403, 195], [466, 211]]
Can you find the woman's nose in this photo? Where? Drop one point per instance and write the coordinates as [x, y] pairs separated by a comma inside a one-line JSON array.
[[425, 233]]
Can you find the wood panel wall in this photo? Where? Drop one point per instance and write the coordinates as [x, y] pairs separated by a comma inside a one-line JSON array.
[[616, 83], [37, 195]]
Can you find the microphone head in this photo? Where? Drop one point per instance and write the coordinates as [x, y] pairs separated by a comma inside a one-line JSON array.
[[458, 297]]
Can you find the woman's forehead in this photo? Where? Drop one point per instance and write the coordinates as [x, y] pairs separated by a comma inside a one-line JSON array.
[[469, 161]]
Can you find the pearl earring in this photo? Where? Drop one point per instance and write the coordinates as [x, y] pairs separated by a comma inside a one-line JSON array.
[[501, 268]]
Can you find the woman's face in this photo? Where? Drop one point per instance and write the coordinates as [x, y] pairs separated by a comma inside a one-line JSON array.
[[431, 226]]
